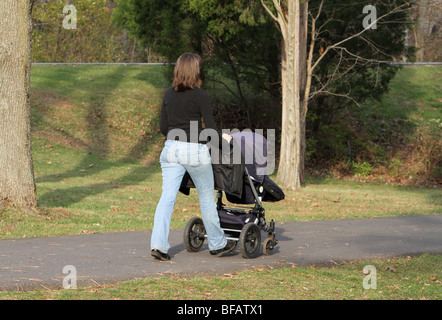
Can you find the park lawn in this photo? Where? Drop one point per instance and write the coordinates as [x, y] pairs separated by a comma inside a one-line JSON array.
[[95, 149], [96, 144], [408, 119], [401, 278], [80, 192]]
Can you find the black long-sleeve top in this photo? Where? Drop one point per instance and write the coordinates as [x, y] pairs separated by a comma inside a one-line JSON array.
[[180, 108]]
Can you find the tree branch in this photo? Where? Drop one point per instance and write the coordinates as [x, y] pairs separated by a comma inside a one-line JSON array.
[[347, 96], [355, 35], [310, 59], [280, 19], [269, 11]]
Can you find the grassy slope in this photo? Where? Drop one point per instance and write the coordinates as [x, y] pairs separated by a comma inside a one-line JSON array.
[[409, 121]]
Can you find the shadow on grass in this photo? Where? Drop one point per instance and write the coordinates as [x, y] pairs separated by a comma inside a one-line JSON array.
[[97, 147], [66, 197]]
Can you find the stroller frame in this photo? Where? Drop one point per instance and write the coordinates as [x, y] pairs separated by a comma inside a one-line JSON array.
[[247, 235]]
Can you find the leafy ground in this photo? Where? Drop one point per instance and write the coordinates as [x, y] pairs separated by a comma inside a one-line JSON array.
[[95, 147], [396, 279]]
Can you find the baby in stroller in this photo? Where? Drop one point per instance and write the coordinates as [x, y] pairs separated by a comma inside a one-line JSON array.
[[244, 182]]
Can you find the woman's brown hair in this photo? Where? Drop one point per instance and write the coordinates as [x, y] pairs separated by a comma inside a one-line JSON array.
[[186, 74]]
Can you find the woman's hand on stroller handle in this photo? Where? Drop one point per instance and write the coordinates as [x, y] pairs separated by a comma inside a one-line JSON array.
[[227, 137]]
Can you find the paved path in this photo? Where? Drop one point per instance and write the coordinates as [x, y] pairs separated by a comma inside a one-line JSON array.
[[108, 257]]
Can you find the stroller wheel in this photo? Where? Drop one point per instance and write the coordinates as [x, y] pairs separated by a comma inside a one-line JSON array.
[[268, 246], [194, 234], [250, 241]]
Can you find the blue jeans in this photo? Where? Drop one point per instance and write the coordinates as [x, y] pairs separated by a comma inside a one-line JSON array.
[[177, 158]]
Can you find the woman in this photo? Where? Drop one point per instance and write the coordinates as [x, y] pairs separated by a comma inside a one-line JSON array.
[[183, 106]]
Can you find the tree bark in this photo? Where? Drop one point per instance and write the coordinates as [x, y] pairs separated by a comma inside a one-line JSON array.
[[422, 29], [17, 183], [294, 68]]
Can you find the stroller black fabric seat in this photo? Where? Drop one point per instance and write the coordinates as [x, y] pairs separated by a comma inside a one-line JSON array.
[[228, 175], [254, 151]]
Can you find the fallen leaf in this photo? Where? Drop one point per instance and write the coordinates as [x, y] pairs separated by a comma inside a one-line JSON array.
[[316, 204], [390, 268]]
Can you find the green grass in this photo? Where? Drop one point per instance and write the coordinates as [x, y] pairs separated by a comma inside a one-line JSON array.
[[415, 92], [82, 192], [95, 149], [419, 88], [415, 97], [96, 146], [109, 110], [415, 278], [408, 121]]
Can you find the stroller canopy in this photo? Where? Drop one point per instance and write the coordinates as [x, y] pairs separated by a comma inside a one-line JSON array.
[[254, 151]]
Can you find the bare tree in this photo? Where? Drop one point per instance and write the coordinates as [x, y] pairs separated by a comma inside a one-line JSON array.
[[292, 20], [427, 35], [292, 17], [17, 183]]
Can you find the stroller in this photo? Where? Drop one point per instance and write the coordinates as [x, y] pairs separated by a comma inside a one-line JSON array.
[[242, 224]]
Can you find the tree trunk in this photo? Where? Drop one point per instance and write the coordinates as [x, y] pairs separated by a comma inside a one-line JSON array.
[[422, 29], [17, 183], [294, 68]]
